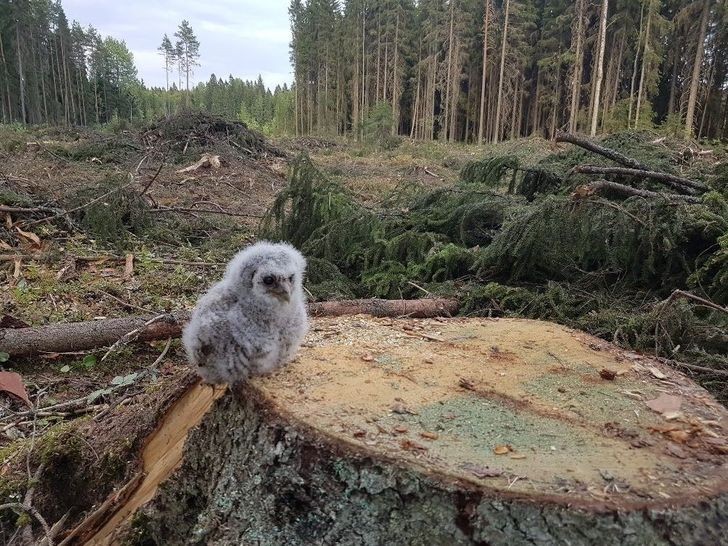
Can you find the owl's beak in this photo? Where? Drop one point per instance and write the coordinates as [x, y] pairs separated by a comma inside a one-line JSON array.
[[282, 290]]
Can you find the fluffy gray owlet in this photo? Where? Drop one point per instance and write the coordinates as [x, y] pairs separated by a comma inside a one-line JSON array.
[[253, 320]]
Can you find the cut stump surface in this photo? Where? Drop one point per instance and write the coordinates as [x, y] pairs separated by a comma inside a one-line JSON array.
[[452, 431]]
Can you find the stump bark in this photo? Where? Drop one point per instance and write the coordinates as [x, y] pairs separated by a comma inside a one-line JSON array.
[[459, 431]]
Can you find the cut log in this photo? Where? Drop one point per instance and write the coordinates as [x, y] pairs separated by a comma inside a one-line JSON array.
[[504, 432], [82, 336], [599, 186], [601, 150], [678, 183]]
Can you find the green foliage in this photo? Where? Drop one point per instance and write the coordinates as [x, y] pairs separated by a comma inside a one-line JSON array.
[[606, 267], [377, 128]]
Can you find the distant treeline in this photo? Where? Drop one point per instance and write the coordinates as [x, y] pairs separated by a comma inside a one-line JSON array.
[[494, 69], [53, 72]]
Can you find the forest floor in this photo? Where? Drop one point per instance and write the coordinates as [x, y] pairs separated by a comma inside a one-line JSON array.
[[131, 255]]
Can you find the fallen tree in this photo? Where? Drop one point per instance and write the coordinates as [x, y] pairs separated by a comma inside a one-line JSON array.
[[377, 436], [82, 336], [676, 182], [601, 186], [622, 159]]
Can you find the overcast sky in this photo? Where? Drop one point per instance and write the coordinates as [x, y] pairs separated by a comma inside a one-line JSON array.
[[239, 37]]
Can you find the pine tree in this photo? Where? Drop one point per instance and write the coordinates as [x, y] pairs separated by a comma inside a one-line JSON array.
[[187, 50]]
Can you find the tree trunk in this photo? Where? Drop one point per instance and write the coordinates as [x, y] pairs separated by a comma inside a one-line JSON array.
[[395, 83], [486, 23], [578, 65], [21, 74], [601, 150], [600, 67], [422, 446], [697, 66], [606, 186], [448, 81], [677, 183], [499, 103], [634, 66], [645, 61]]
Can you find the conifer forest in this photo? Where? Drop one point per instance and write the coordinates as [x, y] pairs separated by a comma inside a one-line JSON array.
[[514, 221]]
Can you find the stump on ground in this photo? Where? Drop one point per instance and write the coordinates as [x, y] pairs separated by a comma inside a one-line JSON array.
[[459, 431]]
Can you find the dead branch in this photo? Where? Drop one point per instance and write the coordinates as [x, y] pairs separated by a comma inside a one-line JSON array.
[[33, 512], [705, 302], [81, 336], [207, 211], [145, 189], [163, 261], [601, 150], [599, 186], [678, 183], [26, 210]]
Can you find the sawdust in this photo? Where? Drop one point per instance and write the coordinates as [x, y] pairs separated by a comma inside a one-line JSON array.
[[530, 385]]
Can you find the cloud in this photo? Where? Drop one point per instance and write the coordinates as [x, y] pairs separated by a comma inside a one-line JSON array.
[[239, 37]]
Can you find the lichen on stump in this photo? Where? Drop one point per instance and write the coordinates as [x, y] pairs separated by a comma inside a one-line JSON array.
[[458, 431]]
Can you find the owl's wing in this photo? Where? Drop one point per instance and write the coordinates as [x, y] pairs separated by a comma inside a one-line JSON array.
[[251, 336]]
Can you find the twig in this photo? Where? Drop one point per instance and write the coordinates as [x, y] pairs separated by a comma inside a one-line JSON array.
[[25, 210], [420, 288], [33, 512], [151, 180], [124, 303], [608, 203], [131, 336], [427, 171], [207, 211]]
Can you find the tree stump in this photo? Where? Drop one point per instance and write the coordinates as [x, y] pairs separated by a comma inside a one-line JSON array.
[[458, 431]]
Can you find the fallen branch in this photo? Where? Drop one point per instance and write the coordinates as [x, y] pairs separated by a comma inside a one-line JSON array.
[[702, 301], [601, 150], [207, 211], [33, 512], [163, 261], [599, 186], [676, 182], [82, 336], [26, 210]]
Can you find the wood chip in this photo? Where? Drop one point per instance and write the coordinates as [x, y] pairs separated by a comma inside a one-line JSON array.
[[409, 445], [429, 435], [665, 403], [656, 373], [502, 450]]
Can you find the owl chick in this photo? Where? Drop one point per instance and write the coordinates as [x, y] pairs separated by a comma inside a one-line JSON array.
[[253, 320]]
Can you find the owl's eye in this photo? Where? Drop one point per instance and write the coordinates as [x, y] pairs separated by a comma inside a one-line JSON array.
[[269, 280], [290, 279]]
